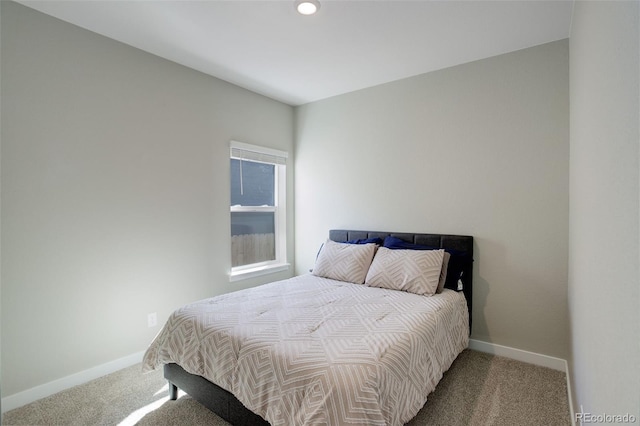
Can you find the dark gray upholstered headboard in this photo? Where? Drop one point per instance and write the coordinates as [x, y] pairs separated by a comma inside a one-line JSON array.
[[456, 242]]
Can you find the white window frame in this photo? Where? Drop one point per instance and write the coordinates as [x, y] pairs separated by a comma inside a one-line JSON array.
[[248, 152]]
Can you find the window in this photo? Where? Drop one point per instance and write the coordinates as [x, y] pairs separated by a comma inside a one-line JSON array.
[[258, 222]]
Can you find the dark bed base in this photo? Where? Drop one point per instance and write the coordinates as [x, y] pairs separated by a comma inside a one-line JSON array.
[[227, 406], [212, 396]]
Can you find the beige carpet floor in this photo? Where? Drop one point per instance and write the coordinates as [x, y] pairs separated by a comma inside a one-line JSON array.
[[478, 389]]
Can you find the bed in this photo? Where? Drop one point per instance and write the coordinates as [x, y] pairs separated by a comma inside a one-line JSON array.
[[317, 350]]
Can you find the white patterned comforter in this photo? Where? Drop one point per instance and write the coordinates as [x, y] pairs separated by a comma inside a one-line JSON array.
[[310, 350]]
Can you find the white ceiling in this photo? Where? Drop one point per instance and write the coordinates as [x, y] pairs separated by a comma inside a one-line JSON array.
[[267, 47]]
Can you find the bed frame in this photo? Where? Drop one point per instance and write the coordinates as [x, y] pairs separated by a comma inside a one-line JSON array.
[[227, 406]]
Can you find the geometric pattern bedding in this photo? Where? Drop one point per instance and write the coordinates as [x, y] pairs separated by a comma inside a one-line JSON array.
[[310, 350]]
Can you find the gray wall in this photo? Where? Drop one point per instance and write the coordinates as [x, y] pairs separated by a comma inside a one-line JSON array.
[[604, 277], [115, 186], [0, 222], [479, 149]]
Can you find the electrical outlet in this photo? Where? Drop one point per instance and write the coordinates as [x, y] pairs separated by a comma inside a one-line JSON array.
[[152, 320]]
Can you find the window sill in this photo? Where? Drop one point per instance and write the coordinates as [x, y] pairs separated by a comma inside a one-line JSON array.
[[256, 272]]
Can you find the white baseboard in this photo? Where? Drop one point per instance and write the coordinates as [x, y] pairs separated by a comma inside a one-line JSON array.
[[531, 358], [30, 395], [569, 395], [519, 355]]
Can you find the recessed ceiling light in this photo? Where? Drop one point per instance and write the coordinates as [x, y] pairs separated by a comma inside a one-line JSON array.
[[307, 7]]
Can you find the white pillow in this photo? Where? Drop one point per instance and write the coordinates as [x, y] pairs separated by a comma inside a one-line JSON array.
[[344, 262], [414, 271]]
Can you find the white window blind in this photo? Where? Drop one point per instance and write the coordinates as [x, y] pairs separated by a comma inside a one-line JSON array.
[[248, 152]]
